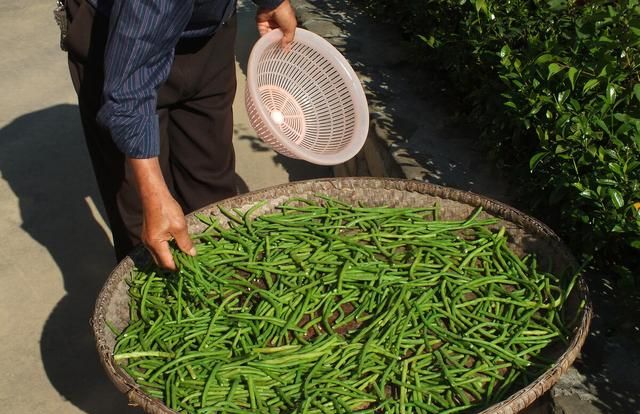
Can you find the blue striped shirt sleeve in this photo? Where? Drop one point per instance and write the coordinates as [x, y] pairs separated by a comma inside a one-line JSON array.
[[138, 57]]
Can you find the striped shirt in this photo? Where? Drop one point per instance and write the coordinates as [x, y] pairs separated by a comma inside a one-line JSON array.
[[138, 56]]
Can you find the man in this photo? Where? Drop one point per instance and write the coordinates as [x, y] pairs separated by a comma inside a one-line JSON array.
[[155, 81]]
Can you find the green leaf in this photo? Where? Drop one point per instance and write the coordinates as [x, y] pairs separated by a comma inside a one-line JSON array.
[[562, 96], [602, 125], [544, 58], [575, 104], [599, 190], [612, 154], [636, 91], [624, 128], [590, 85], [553, 69], [543, 134], [563, 119], [557, 4], [517, 64], [533, 162], [572, 76], [616, 198], [635, 244], [616, 168], [617, 142], [429, 41], [505, 51], [623, 117], [605, 70], [633, 165], [536, 108], [481, 5], [606, 181], [511, 104], [611, 94], [588, 194], [560, 149], [636, 141]]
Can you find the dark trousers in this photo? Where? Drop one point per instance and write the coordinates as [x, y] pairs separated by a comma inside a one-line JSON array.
[[196, 122]]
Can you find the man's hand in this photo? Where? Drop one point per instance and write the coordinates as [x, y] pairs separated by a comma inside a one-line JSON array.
[[163, 219], [282, 17]]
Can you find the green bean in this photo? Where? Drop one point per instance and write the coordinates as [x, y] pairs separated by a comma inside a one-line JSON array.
[[325, 307], [141, 354]]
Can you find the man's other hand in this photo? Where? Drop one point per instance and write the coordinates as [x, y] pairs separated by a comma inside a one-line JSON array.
[[282, 17]]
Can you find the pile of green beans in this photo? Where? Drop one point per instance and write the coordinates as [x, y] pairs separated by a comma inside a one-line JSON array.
[[324, 307]]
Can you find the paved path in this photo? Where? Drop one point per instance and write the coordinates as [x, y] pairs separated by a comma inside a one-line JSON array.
[[55, 250]]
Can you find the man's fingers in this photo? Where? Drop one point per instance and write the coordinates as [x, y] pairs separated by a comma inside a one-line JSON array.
[[161, 254], [263, 28], [283, 17], [183, 241]]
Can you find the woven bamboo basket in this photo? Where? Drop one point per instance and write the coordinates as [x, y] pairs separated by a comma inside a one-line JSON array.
[[527, 235]]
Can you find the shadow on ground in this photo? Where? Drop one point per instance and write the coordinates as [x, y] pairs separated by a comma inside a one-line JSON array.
[[610, 360], [298, 170], [44, 160]]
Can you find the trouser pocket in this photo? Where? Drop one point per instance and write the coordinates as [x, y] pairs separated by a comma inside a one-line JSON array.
[[86, 33]]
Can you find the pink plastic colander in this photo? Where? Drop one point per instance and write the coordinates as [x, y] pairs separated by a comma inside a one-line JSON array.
[[306, 102]]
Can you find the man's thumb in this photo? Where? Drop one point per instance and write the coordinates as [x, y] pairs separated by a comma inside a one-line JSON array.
[[184, 242]]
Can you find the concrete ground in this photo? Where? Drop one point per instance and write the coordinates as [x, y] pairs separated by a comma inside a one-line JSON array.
[[55, 249]]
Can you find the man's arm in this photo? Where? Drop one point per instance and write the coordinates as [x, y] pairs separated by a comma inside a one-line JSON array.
[[138, 58]]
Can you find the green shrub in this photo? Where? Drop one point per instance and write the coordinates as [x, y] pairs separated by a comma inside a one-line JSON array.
[[555, 88]]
